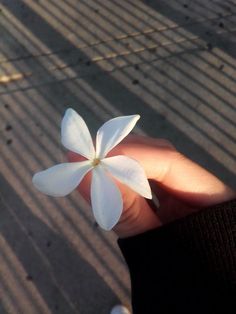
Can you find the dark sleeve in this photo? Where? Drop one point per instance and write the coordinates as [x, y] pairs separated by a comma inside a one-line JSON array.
[[188, 266]]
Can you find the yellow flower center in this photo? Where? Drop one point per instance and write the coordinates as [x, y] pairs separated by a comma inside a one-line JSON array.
[[95, 162]]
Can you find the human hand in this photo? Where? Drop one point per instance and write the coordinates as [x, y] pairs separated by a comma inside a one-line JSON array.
[[182, 186]]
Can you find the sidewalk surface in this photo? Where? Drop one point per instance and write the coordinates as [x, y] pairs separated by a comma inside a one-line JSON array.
[[173, 62]]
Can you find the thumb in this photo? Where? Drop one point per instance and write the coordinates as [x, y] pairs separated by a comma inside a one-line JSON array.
[[136, 218]]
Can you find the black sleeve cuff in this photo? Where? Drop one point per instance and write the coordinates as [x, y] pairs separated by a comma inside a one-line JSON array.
[[188, 266]]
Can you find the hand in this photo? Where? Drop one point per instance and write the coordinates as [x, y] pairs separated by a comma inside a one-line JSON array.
[[182, 186]]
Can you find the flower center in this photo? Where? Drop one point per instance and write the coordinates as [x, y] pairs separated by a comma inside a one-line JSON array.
[[95, 162]]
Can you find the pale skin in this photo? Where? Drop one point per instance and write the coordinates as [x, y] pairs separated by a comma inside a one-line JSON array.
[[181, 185]]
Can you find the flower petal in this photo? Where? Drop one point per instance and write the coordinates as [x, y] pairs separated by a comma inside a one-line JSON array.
[[112, 133], [75, 135], [61, 179], [106, 199], [129, 172]]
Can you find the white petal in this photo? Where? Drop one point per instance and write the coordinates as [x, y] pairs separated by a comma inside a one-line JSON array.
[[75, 135], [112, 133], [129, 172], [61, 179], [106, 199]]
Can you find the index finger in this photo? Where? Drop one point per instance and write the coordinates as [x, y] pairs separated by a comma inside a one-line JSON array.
[[173, 171]]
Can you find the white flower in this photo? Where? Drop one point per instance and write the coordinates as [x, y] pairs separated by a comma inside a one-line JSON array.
[[106, 198]]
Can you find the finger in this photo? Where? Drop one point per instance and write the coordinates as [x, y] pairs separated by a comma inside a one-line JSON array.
[[176, 173], [137, 218], [191, 182], [170, 207]]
